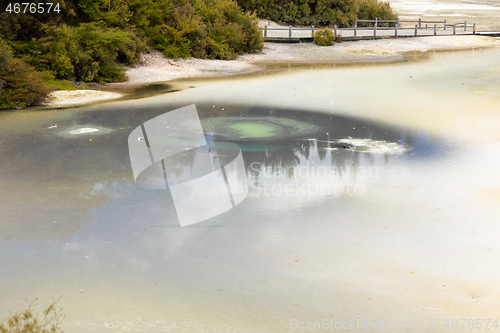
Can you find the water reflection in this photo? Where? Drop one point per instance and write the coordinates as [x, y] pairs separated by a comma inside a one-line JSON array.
[[73, 222], [50, 182]]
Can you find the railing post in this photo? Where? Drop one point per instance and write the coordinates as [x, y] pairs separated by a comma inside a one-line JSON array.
[[313, 30], [419, 23], [416, 29], [290, 31], [474, 28], [465, 25], [396, 31], [375, 28], [265, 31], [335, 31], [444, 24], [454, 28], [356, 28], [397, 23], [435, 29]]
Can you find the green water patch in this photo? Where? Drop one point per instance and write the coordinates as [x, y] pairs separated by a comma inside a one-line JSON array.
[[257, 128], [254, 129]]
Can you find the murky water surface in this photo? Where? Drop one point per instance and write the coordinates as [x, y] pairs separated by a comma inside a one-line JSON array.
[[373, 195]]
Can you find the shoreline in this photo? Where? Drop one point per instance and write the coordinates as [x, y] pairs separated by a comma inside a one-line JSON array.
[[154, 68], [67, 98]]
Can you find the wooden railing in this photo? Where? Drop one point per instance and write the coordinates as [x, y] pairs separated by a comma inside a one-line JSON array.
[[411, 26]]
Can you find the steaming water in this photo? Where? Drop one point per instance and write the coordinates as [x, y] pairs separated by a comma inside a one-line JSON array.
[[81, 130], [382, 205], [401, 219]]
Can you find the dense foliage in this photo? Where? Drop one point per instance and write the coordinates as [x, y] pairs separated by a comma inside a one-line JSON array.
[[20, 83], [89, 39], [342, 13]]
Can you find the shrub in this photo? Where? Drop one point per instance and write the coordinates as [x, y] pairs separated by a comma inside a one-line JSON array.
[[113, 13], [323, 37], [20, 83], [5, 57], [23, 85], [5, 53], [28, 322], [98, 50], [88, 52], [371, 9], [214, 29], [62, 66]]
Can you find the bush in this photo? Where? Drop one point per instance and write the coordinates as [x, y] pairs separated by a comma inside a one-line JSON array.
[[27, 322], [5, 53], [214, 29], [99, 51], [20, 83], [323, 37], [61, 65], [113, 13], [5, 58], [87, 52], [371, 9]]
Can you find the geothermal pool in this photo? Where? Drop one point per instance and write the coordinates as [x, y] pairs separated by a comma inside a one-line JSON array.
[[372, 196]]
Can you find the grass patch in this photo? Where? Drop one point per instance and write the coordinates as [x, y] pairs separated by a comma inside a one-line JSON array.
[[56, 84]]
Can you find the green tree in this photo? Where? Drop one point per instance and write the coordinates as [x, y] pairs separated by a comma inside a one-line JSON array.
[[113, 13], [319, 12]]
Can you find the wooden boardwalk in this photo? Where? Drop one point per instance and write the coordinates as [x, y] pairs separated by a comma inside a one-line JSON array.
[[399, 28]]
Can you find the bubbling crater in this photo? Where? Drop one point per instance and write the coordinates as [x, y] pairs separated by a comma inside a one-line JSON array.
[[248, 129], [83, 130]]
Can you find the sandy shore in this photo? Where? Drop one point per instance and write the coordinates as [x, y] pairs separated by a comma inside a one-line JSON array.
[[154, 67], [76, 97]]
